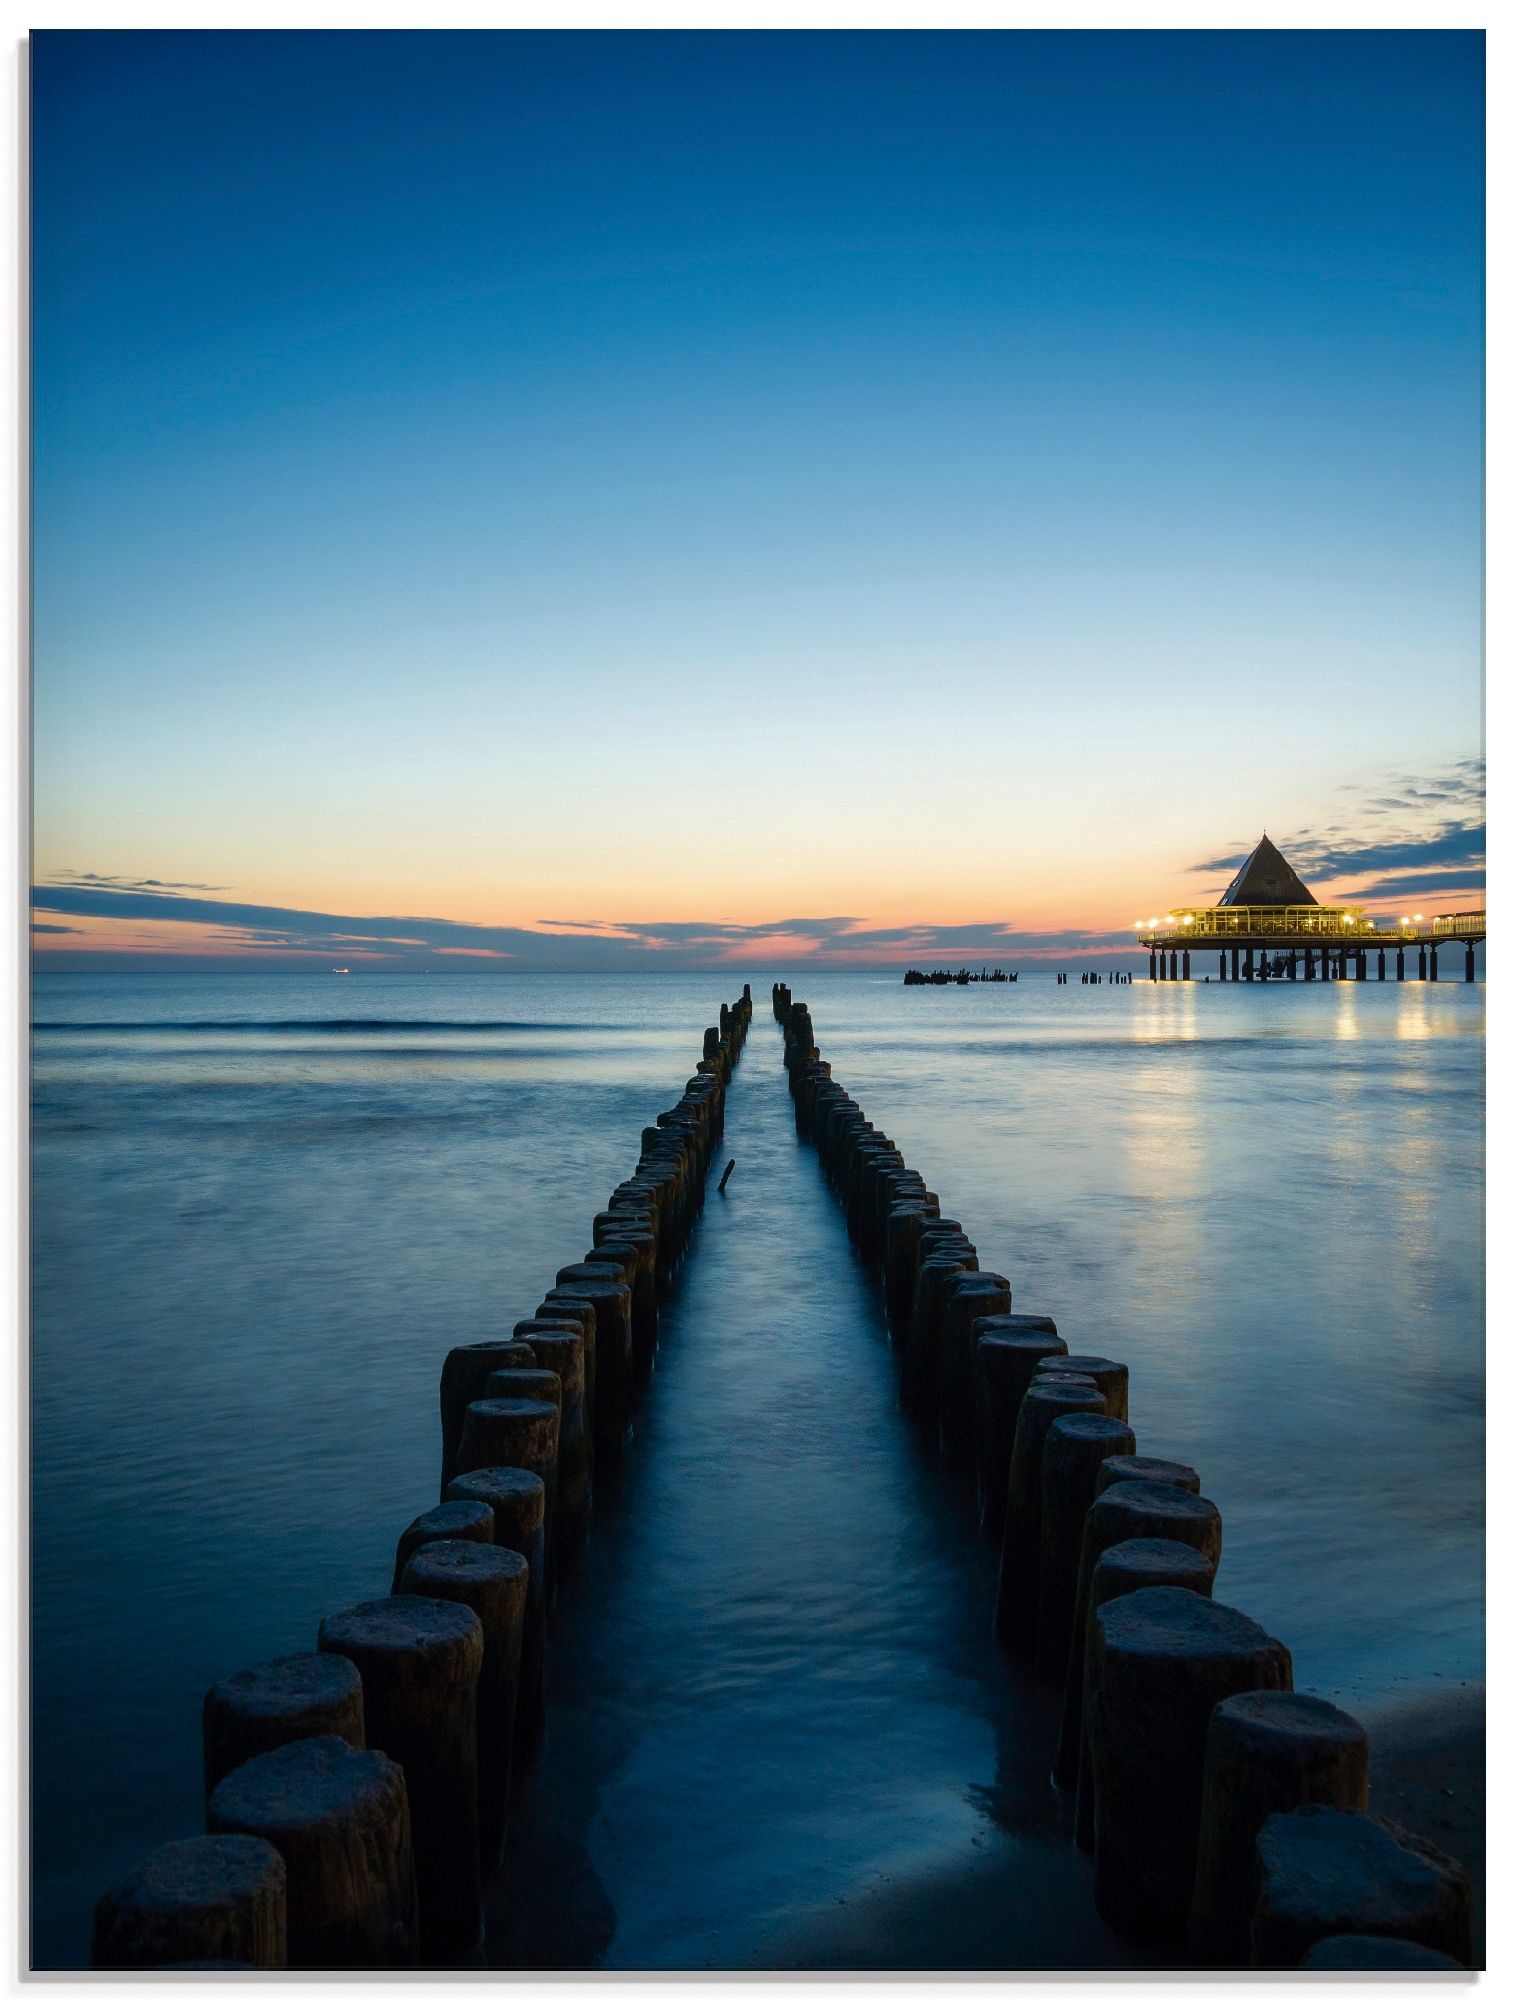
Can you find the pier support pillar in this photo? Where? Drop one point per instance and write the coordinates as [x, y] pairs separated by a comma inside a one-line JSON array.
[[1434, 973], [1235, 962], [1399, 958], [1422, 961], [1467, 970], [1187, 973], [1381, 967], [1222, 968], [1251, 970], [1362, 964], [1152, 965], [1294, 965], [1309, 963]]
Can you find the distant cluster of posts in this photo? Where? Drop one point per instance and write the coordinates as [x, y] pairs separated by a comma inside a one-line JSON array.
[[1346, 961], [962, 977], [1227, 1814], [357, 1796]]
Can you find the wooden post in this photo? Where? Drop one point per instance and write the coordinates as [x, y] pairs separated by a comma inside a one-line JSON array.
[[1075, 1448], [454, 1520], [1142, 1564], [1020, 1551], [519, 1500], [1326, 1873], [493, 1583], [221, 1896], [1004, 1359], [1130, 1508], [341, 1820], [1264, 1753], [264, 1707], [420, 1661], [1162, 1658]]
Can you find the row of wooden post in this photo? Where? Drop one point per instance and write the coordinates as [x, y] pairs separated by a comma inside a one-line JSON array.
[[357, 1796], [1227, 1814], [1334, 960]]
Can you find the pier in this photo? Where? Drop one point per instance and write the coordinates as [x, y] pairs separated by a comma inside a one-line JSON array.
[[1267, 925]]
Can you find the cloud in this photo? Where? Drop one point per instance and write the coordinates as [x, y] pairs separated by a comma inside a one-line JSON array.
[[269, 934], [1436, 882], [1437, 826], [134, 881], [56, 930]]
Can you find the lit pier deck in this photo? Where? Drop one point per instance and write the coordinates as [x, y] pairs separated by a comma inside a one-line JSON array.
[[1260, 931]]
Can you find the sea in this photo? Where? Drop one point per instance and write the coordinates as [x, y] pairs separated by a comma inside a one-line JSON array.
[[265, 1205]]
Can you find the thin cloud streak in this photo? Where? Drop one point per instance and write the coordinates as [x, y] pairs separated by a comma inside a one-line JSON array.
[[263, 933]]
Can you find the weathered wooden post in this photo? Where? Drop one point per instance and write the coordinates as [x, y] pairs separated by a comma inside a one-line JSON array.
[[221, 1896], [1020, 1551], [493, 1583], [1264, 1753], [1326, 1873], [613, 1350], [420, 1661], [1005, 1355], [340, 1819], [563, 1352], [1162, 1659], [454, 1520], [1157, 1471], [1075, 1448], [578, 1315], [280, 1701], [1128, 1509], [464, 1373], [1111, 1378], [519, 1500], [967, 1297], [1129, 1566]]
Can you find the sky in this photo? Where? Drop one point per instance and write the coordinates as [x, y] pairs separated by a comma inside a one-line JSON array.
[[641, 498]]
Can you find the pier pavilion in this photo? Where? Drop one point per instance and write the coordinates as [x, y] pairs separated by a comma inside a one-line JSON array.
[[1269, 926]]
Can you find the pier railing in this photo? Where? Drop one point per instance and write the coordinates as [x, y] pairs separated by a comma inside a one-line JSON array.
[[1301, 924]]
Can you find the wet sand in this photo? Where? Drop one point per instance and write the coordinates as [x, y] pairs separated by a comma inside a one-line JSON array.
[[780, 1736], [1429, 1774]]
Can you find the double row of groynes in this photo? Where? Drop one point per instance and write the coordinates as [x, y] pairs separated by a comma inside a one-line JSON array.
[[357, 1796], [1227, 1814]]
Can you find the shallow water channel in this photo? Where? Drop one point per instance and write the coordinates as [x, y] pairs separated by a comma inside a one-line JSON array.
[[780, 1732]]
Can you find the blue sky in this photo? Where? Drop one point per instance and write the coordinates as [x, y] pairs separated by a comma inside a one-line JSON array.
[[658, 480]]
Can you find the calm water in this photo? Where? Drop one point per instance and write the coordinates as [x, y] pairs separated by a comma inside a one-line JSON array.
[[264, 1209]]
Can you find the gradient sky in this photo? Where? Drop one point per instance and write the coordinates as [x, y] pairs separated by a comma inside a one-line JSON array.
[[948, 487]]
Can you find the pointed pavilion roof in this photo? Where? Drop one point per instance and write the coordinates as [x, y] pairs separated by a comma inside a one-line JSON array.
[[1265, 877]]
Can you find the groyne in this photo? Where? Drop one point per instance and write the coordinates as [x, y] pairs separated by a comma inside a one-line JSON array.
[[1228, 1815], [356, 1795]]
